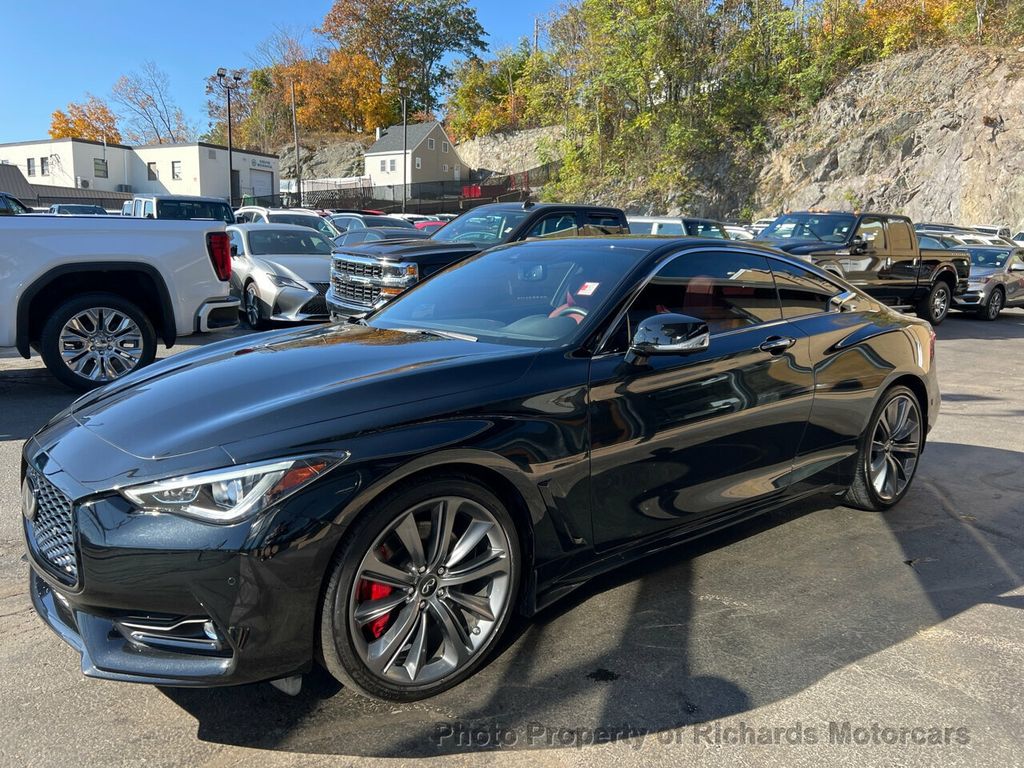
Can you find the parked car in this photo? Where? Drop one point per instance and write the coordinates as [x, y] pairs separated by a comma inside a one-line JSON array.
[[932, 227], [430, 225], [676, 225], [374, 234], [736, 232], [92, 295], [1018, 238], [279, 272], [412, 218], [75, 209], [996, 281], [963, 238], [997, 230], [303, 217], [877, 252], [353, 222], [366, 276], [385, 495], [12, 206], [761, 224], [178, 207]]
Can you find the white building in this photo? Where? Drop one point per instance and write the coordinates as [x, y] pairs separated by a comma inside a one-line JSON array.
[[429, 156], [179, 169]]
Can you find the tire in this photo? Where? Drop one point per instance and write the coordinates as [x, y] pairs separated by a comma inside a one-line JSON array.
[[935, 306], [994, 306], [427, 606], [864, 492], [122, 342], [252, 306]]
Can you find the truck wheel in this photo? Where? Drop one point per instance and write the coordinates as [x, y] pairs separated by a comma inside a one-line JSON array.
[[935, 306], [95, 338], [995, 305]]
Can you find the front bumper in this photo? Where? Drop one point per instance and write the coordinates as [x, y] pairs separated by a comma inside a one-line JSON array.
[[974, 297], [166, 600]]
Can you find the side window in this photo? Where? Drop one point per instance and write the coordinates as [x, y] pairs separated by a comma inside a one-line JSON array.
[[801, 292], [138, 208], [237, 248], [147, 211], [5, 209], [727, 290], [602, 224], [901, 242], [708, 229], [873, 233], [928, 242], [555, 225], [668, 228]]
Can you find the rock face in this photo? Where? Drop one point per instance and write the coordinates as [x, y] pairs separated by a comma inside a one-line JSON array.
[[514, 152], [937, 135], [328, 160]]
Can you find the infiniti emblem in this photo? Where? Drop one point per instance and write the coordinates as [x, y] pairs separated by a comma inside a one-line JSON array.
[[428, 586], [28, 500]]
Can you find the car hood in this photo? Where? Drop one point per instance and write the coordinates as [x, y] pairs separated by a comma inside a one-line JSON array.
[[411, 250], [252, 386], [313, 268], [799, 246]]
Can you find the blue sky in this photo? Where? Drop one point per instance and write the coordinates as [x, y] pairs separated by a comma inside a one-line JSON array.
[[57, 52]]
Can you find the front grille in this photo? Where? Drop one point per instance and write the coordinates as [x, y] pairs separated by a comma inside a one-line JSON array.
[[318, 304], [360, 294], [358, 269], [53, 528]]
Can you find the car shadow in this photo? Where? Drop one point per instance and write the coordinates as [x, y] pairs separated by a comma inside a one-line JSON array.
[[964, 325], [714, 628]]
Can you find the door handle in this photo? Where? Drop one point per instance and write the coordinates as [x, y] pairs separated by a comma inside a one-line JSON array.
[[776, 345]]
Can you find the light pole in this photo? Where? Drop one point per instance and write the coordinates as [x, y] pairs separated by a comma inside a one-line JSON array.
[[405, 143], [295, 136], [229, 84]]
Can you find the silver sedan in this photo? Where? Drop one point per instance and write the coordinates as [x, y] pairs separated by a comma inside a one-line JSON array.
[[280, 272], [996, 281]]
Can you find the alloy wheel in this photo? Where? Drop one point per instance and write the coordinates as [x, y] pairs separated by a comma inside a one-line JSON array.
[[940, 302], [252, 306], [995, 305], [895, 447], [101, 344], [430, 591]]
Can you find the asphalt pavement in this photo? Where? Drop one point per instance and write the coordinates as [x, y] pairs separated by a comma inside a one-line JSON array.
[[816, 636]]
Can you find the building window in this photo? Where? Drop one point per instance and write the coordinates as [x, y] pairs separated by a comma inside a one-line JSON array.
[[383, 166], [419, 163], [212, 154], [444, 168], [31, 166], [44, 166], [444, 146], [176, 170], [151, 172], [392, 164], [99, 168], [430, 143]]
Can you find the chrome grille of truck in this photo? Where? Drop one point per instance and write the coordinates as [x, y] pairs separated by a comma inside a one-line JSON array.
[[362, 294], [358, 269], [53, 528]]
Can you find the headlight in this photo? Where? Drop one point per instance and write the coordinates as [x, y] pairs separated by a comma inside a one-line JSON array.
[[228, 495], [401, 271], [286, 282]]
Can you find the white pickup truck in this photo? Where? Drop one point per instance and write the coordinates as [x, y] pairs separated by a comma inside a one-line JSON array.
[[93, 294]]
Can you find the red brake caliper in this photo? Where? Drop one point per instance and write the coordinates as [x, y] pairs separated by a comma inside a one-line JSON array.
[[374, 590]]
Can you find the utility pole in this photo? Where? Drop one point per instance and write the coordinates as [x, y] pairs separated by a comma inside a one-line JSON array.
[[295, 138], [405, 149], [229, 85]]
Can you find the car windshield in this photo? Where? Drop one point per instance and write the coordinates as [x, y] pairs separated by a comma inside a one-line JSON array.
[[988, 257], [387, 221], [311, 220], [482, 225], [827, 227], [194, 209], [263, 242], [532, 294], [92, 210]]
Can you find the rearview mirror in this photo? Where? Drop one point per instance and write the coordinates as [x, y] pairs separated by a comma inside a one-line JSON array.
[[532, 273], [668, 334]]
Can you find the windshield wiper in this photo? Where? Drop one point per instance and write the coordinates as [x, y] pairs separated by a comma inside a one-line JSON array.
[[439, 334]]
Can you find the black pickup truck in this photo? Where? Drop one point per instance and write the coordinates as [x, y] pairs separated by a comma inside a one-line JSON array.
[[877, 252], [368, 275]]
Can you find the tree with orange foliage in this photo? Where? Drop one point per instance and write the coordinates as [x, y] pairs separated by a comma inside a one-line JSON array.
[[92, 120]]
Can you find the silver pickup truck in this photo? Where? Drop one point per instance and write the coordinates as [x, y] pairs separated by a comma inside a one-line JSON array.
[[92, 294]]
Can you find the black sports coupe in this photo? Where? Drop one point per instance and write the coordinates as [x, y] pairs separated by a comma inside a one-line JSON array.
[[381, 495]]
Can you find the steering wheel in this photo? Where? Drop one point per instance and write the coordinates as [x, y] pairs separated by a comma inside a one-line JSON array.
[[575, 311], [474, 236]]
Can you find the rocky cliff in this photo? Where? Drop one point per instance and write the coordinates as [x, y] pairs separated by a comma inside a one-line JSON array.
[[512, 152], [937, 135]]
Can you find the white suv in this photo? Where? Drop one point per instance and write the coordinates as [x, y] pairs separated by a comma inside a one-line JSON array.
[[303, 217]]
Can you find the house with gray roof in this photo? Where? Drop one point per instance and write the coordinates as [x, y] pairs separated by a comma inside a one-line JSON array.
[[429, 155]]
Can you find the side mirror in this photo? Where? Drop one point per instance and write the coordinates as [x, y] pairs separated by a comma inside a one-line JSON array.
[[668, 334], [234, 250], [1018, 267], [843, 302], [858, 244]]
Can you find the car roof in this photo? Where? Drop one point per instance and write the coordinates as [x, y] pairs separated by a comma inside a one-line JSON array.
[[184, 198], [543, 207], [269, 227]]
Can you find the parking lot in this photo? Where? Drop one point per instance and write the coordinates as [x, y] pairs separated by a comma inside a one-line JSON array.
[[798, 635]]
